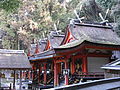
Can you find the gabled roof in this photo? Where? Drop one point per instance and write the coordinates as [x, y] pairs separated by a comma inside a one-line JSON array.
[[68, 36], [42, 45], [39, 47], [32, 49], [43, 55], [115, 65], [54, 39], [13, 59], [98, 34], [95, 33]]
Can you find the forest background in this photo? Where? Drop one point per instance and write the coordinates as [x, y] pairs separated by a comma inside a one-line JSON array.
[[23, 22]]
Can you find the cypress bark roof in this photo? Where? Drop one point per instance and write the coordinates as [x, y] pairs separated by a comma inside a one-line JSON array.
[[13, 59], [92, 33], [56, 39]]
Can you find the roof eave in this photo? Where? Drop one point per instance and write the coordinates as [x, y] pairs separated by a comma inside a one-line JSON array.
[[93, 25]]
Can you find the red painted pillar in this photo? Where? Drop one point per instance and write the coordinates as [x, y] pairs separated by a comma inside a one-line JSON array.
[[29, 74], [66, 76], [73, 66], [45, 73], [37, 49], [58, 72], [28, 53], [23, 74], [33, 69], [84, 64], [55, 74], [39, 73], [59, 68]]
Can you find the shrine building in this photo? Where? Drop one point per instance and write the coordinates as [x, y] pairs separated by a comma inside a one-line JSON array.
[[74, 56]]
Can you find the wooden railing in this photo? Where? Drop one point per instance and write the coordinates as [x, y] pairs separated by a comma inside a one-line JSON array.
[[83, 77], [89, 75], [102, 84], [6, 88]]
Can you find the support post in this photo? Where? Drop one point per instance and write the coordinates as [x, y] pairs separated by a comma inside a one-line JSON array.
[[84, 64], [55, 74], [39, 73], [0, 78], [33, 70], [58, 72], [73, 66], [29, 74], [22, 74], [14, 80], [59, 67], [45, 73], [66, 75], [20, 80]]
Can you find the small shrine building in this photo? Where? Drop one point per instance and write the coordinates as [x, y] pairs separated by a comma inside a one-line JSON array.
[[79, 54]]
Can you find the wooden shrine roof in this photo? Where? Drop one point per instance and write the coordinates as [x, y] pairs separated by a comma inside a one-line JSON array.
[[32, 49], [43, 55], [42, 44], [68, 36], [13, 59], [85, 34], [98, 34], [56, 39]]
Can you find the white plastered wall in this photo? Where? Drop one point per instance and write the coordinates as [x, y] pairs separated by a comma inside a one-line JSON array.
[[94, 63]]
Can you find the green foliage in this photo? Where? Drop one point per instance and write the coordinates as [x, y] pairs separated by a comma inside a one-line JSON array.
[[35, 18], [73, 4], [107, 3], [9, 5]]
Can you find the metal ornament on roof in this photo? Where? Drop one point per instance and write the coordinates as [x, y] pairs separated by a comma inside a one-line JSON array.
[[79, 20], [104, 21], [77, 16]]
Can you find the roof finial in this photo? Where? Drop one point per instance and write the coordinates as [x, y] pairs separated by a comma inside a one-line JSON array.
[[104, 21], [77, 16], [29, 54], [37, 48]]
